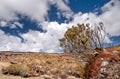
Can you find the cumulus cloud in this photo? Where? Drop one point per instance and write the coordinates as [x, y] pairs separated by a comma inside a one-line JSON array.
[[110, 17], [3, 23], [9, 42], [62, 7], [110, 23], [35, 10], [5, 13], [48, 41], [12, 25], [15, 24], [34, 41]]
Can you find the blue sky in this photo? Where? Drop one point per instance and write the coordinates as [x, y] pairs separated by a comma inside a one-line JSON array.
[[36, 25]]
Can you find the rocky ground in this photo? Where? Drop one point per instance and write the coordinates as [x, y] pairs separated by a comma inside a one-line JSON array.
[[54, 66], [43, 66], [109, 70]]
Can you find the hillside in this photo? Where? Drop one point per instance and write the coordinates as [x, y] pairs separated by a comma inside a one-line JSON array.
[[54, 65], [51, 66], [113, 48]]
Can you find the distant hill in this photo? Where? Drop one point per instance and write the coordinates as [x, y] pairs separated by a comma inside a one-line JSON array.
[[113, 48]]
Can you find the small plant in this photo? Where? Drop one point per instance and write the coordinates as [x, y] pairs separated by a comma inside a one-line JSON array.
[[63, 76], [81, 70], [17, 69], [48, 62], [36, 70]]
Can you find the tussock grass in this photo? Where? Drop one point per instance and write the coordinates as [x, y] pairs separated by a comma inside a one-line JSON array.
[[17, 69]]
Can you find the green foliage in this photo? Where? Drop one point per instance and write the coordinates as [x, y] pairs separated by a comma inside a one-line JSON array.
[[82, 37]]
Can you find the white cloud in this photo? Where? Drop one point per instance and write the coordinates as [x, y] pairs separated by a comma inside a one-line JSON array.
[[110, 17], [67, 1], [34, 41], [9, 42], [18, 24], [35, 10], [12, 25], [48, 41], [3, 23], [6, 14], [62, 7], [60, 4]]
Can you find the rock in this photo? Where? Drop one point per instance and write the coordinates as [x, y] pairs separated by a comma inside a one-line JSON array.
[[12, 62], [46, 77], [56, 71], [74, 73], [72, 77], [110, 71], [104, 63], [115, 52], [63, 75]]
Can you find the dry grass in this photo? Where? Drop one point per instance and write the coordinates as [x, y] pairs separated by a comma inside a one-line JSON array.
[[37, 64], [113, 48], [17, 69], [41, 63]]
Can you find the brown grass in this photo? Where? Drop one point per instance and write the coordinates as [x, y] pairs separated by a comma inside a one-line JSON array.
[[41, 63], [17, 69]]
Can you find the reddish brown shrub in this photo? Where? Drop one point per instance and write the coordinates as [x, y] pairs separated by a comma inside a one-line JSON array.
[[94, 65]]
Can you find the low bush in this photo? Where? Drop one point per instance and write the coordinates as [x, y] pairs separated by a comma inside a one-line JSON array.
[[17, 69]]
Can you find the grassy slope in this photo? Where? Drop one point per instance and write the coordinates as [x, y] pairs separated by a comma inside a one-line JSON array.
[[48, 62], [60, 61]]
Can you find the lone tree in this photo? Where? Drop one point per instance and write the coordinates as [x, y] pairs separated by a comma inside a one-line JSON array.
[[83, 37]]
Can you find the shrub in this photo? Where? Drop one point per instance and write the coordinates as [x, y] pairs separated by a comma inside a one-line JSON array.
[[85, 40], [17, 69], [36, 70], [82, 37], [81, 70]]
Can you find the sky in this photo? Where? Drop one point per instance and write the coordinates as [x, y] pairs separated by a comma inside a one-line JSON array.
[[36, 25]]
